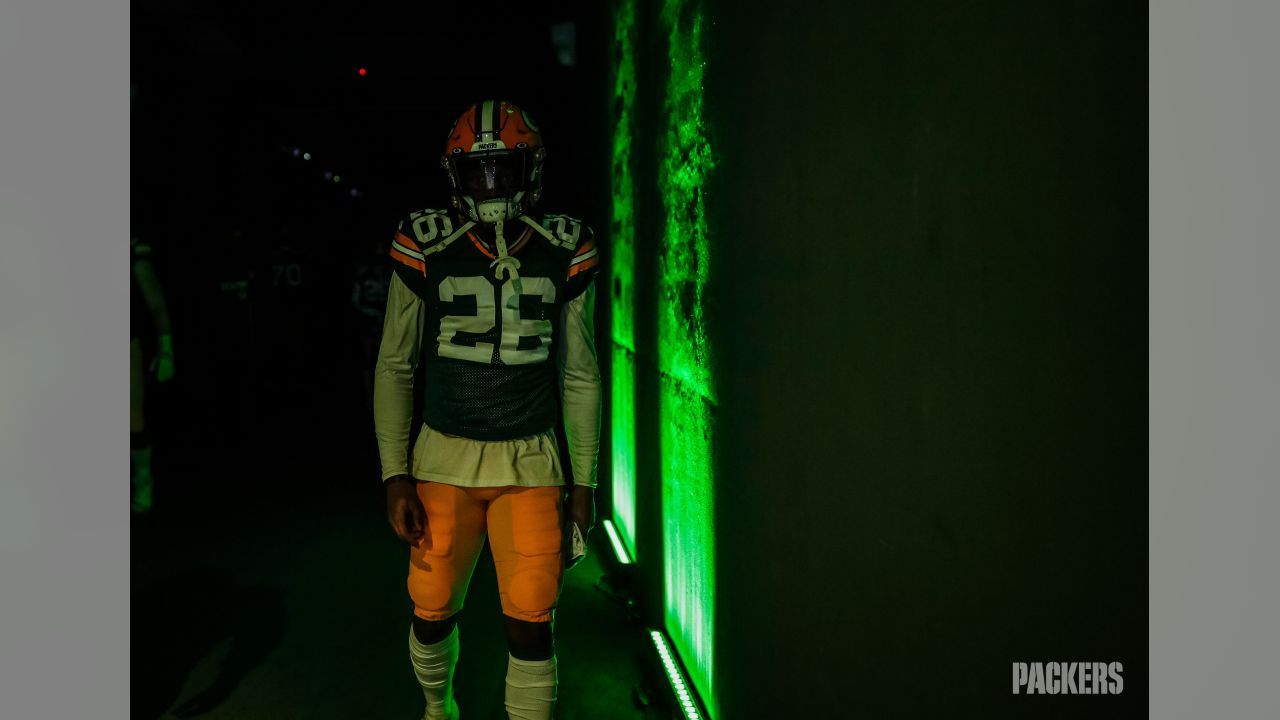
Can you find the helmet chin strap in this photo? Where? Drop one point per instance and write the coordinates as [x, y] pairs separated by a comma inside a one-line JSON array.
[[497, 212], [506, 265]]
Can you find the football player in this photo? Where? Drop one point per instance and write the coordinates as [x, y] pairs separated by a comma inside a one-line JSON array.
[[493, 298], [147, 310]]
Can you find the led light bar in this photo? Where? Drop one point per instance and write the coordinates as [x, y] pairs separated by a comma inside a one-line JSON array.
[[619, 549], [683, 691]]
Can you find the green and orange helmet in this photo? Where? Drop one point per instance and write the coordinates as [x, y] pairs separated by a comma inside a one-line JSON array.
[[494, 158]]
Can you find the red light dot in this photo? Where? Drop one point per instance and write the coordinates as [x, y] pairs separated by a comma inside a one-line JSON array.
[[362, 71]]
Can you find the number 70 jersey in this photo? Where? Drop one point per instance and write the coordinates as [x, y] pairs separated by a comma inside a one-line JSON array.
[[493, 325]]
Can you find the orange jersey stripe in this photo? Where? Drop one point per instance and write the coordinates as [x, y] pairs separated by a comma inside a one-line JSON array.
[[480, 246], [414, 263], [584, 265]]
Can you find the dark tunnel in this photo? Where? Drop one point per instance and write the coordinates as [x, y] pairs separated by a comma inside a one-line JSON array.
[[871, 323]]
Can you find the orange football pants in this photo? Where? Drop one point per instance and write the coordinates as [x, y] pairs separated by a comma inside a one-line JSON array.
[[524, 529]]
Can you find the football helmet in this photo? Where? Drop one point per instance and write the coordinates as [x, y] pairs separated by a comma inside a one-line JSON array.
[[493, 158]]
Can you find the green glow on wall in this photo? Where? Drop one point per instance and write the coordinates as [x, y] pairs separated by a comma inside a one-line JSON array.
[[623, 240], [688, 394], [624, 445], [622, 278], [688, 531]]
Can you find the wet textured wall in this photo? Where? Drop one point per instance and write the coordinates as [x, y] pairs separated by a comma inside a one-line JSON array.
[[663, 389], [878, 348], [621, 281]]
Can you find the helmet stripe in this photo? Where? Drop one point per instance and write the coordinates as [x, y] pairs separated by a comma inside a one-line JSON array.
[[484, 113]]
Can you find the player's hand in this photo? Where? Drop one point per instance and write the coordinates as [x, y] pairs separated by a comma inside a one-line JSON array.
[[582, 508], [581, 515], [404, 509]]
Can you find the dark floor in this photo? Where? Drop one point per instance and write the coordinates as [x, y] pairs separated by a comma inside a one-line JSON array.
[[267, 586]]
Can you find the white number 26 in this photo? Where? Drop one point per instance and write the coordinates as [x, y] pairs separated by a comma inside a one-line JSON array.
[[514, 327]]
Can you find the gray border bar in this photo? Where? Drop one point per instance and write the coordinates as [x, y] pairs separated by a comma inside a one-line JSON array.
[[1214, 359]]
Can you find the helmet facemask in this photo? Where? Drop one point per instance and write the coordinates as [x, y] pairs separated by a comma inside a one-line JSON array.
[[492, 185], [494, 159]]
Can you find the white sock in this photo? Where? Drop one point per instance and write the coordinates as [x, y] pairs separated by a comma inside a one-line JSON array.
[[531, 688], [434, 664]]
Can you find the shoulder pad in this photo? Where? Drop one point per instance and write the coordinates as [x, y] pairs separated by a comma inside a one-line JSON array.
[[430, 228], [584, 264], [420, 234], [565, 231]]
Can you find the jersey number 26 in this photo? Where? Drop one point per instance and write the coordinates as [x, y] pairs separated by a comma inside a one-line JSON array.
[[514, 327]]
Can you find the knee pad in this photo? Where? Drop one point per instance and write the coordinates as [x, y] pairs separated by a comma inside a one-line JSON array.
[[533, 591], [434, 598]]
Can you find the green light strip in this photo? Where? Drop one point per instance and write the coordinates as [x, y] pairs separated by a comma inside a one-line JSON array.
[[623, 392], [622, 279], [619, 550], [688, 392], [684, 695]]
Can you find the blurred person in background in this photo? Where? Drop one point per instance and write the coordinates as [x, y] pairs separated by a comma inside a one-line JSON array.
[[148, 318], [371, 274]]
